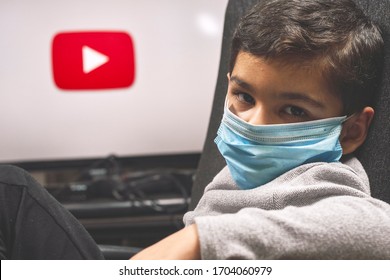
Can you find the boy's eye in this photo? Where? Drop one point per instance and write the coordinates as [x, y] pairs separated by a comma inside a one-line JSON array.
[[245, 98], [295, 111]]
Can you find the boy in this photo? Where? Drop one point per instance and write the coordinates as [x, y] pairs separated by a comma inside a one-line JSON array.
[[301, 77]]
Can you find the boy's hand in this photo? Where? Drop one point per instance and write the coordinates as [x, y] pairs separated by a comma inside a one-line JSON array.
[[182, 245]]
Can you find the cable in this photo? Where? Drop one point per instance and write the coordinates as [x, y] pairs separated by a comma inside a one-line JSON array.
[[139, 188], [135, 190]]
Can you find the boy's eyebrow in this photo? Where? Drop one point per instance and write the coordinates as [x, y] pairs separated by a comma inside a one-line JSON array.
[[241, 83], [302, 97]]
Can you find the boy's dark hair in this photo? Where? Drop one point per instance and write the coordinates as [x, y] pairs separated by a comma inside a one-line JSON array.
[[335, 35]]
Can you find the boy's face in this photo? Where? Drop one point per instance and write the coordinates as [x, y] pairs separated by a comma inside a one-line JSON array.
[[267, 92]]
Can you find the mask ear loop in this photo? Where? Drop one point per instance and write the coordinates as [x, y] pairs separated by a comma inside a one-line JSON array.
[[227, 102], [228, 108], [348, 118]]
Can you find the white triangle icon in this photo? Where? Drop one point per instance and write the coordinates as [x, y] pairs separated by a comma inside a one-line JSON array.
[[92, 59]]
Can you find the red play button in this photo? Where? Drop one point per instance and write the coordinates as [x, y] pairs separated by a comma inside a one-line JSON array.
[[93, 60]]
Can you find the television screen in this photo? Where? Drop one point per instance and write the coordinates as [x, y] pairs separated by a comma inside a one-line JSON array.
[[92, 78]]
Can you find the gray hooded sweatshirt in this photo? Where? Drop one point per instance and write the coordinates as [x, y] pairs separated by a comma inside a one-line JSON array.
[[315, 211]]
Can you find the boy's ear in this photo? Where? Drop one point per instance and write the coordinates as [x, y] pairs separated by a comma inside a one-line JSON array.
[[355, 130]]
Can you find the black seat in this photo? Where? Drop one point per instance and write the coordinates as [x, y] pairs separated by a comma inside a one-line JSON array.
[[374, 154]]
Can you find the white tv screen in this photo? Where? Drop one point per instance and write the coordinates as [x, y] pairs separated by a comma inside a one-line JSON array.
[[92, 78]]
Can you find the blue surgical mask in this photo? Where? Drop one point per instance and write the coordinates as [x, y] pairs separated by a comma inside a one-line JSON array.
[[257, 154]]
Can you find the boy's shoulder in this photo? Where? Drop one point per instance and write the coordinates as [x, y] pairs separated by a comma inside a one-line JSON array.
[[348, 173]]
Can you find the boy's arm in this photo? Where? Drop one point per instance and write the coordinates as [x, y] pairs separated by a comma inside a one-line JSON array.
[[182, 245], [333, 228]]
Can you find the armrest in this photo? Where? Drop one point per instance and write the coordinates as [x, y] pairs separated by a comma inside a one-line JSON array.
[[115, 252]]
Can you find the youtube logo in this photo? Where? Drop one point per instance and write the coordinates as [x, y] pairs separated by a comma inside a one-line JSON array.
[[93, 60]]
